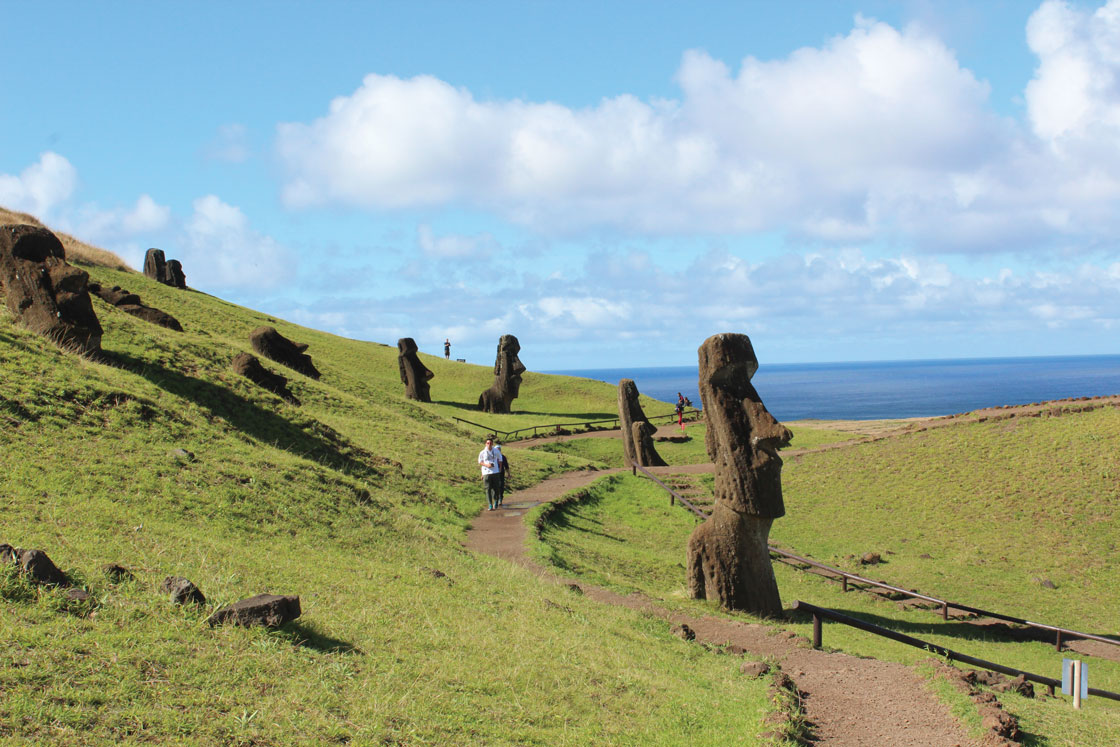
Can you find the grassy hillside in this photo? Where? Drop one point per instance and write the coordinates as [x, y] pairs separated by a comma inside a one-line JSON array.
[[353, 500], [979, 513]]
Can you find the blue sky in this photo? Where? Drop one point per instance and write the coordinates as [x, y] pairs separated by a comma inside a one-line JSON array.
[[610, 182]]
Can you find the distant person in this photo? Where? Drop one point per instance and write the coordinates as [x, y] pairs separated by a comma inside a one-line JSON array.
[[491, 473], [680, 410], [503, 472], [447, 349]]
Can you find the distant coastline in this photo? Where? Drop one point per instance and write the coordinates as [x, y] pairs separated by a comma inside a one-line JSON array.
[[873, 390]]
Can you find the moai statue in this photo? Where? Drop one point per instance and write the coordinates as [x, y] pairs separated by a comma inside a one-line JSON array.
[[728, 559], [43, 292], [157, 267], [637, 433], [274, 346], [414, 374], [507, 377], [176, 278], [248, 366]]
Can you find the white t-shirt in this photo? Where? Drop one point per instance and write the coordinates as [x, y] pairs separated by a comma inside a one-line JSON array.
[[492, 456]]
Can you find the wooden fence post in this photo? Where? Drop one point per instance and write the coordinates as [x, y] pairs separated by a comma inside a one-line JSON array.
[[817, 634]]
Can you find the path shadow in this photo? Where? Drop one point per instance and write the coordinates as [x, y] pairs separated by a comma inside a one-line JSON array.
[[328, 448], [308, 637]]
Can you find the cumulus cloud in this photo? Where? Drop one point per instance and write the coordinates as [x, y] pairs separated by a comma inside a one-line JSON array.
[[220, 249], [811, 142], [41, 187], [876, 134], [114, 226]]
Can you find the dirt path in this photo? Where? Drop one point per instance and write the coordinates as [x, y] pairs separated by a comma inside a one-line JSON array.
[[848, 700]]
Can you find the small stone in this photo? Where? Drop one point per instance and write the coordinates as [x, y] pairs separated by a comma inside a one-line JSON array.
[[181, 455], [871, 558], [182, 590], [754, 669], [574, 588], [78, 595], [40, 569], [268, 610], [926, 556], [684, 632]]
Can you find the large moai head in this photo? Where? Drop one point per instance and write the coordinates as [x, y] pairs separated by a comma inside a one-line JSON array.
[[508, 367], [159, 268], [43, 292], [507, 377], [274, 346], [728, 559], [155, 264], [742, 436], [414, 374]]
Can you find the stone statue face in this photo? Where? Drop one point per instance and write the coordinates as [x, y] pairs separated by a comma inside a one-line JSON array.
[[407, 346], [742, 434], [509, 365]]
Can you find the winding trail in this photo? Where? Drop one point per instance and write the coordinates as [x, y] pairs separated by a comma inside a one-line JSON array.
[[848, 700]]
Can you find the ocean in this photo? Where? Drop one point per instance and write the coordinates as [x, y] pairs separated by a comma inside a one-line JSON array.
[[893, 389]]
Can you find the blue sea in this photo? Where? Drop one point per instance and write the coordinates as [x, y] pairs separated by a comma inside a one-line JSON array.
[[893, 389]]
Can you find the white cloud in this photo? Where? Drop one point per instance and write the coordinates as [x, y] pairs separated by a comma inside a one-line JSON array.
[[112, 227], [1076, 89], [811, 142], [876, 134], [41, 187], [220, 249]]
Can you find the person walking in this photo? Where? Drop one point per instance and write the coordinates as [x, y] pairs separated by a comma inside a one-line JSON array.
[[447, 348], [491, 473], [503, 471]]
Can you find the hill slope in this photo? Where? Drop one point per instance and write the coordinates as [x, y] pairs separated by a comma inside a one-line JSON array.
[[353, 500]]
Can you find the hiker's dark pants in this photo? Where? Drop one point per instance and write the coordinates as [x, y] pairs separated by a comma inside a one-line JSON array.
[[493, 488]]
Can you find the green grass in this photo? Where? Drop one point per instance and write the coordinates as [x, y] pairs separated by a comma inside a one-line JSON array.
[[607, 452], [623, 535], [808, 436], [349, 500]]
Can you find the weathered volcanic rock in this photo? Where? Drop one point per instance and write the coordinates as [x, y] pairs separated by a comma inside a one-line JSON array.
[[130, 304], [43, 292], [176, 278], [248, 366], [274, 346], [35, 564], [41, 569], [182, 591], [728, 559], [414, 374], [155, 265], [152, 315], [167, 272], [269, 610], [637, 441], [507, 377]]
